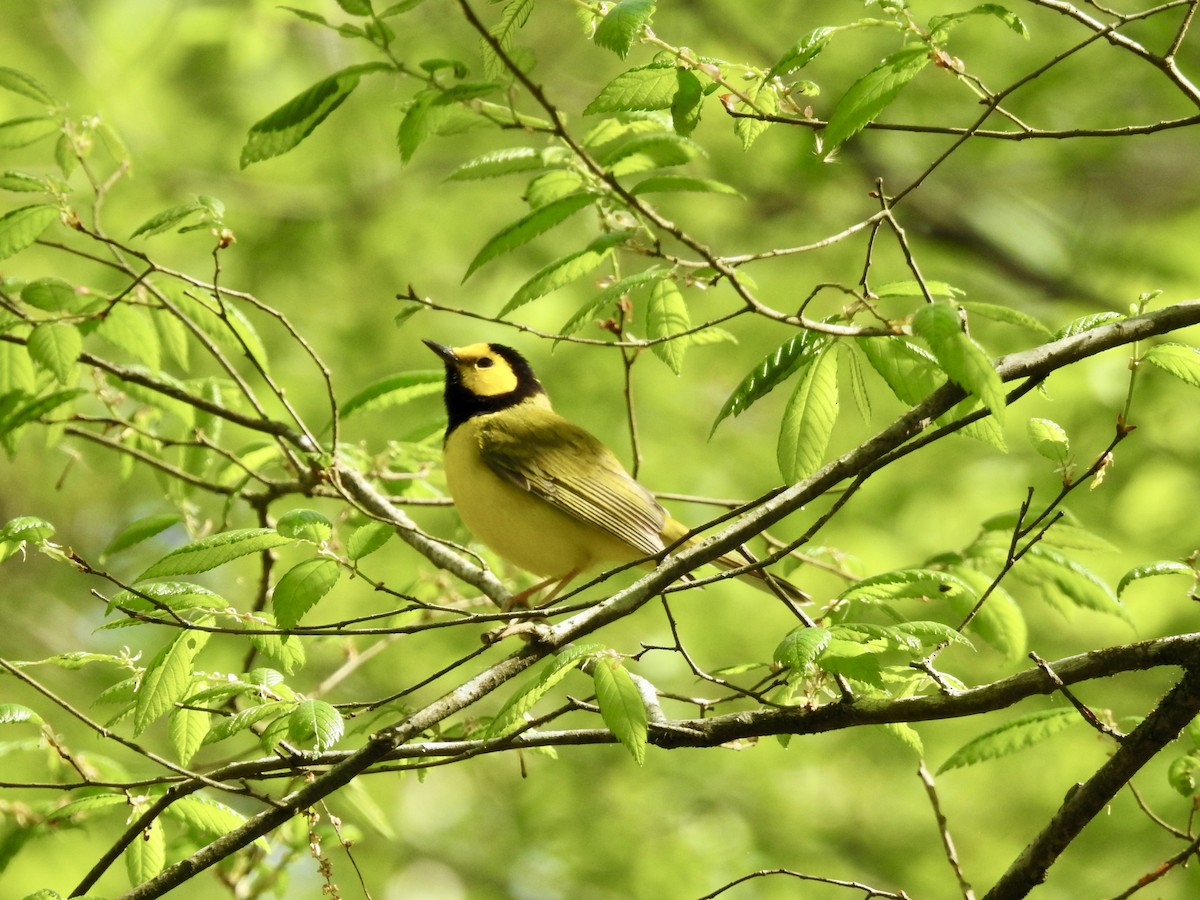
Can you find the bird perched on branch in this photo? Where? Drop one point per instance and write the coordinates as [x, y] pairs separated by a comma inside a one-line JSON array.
[[540, 491]]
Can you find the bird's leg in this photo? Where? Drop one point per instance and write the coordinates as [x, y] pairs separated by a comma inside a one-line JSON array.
[[521, 600]]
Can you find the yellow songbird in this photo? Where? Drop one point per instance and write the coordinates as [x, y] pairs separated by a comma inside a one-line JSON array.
[[543, 493]]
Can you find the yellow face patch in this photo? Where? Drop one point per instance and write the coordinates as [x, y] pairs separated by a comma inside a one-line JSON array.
[[483, 371]]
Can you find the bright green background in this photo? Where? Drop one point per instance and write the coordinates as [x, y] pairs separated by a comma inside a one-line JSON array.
[[330, 233]]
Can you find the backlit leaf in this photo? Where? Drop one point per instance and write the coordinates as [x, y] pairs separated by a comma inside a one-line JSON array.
[[609, 296], [662, 184], [316, 724], [216, 550], [55, 346], [621, 705], [872, 94], [26, 130], [1012, 737], [1176, 359], [776, 367], [667, 315], [512, 714], [499, 162], [801, 647], [617, 30], [1050, 440], [563, 271], [395, 390], [906, 583], [809, 418], [305, 525], [21, 227], [18, 82], [1153, 569], [167, 678], [528, 227], [959, 355], [645, 87], [140, 530], [146, 854], [301, 587], [801, 53], [368, 538]]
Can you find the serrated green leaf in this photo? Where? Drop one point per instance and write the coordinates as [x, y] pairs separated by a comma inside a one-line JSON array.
[[1012, 737], [140, 530], [808, 418], [207, 817], [617, 30], [499, 162], [764, 101], [914, 289], [167, 678], [21, 227], [801, 647], [132, 329], [551, 186], [563, 271], [176, 595], [611, 295], [1050, 440], [515, 15], [243, 720], [512, 714], [186, 729], [216, 550], [55, 346], [440, 112], [907, 583], [16, 714], [367, 539], [1152, 570], [852, 661], [645, 87], [662, 184], [940, 26], [872, 94], [651, 151], [315, 723], [908, 736], [667, 315], [775, 368], [1062, 578], [16, 370], [909, 371], [621, 706], [999, 623], [146, 855], [27, 528], [1007, 315], [801, 53], [301, 587], [1087, 323], [287, 126], [52, 295], [27, 130], [395, 390], [19, 182], [528, 227], [90, 803], [285, 651], [305, 525], [962, 358], [1176, 359]]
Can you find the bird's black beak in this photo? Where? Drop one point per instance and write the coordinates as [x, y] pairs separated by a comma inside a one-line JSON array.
[[446, 353]]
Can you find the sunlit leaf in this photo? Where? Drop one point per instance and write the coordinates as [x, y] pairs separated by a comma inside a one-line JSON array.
[[1152, 570], [305, 525], [499, 162], [1050, 440], [301, 587], [801, 53], [1012, 737], [315, 723], [686, 104], [21, 227], [528, 227], [140, 530], [619, 27], [808, 419], [906, 583], [645, 87], [512, 714], [27, 130], [609, 296], [563, 271], [662, 184], [395, 390], [801, 647], [872, 94], [667, 315], [967, 363], [621, 705], [210, 552], [18, 82], [146, 854], [1176, 359], [367, 539], [167, 678], [776, 367]]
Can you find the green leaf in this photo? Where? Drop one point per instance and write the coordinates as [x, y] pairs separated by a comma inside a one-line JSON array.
[[18, 82], [1087, 323], [617, 30], [667, 315], [914, 289], [21, 227], [686, 104], [186, 729], [551, 186], [645, 87], [367, 539], [940, 26], [304, 525], [765, 101], [16, 370], [651, 151], [284, 650], [1007, 315], [90, 803], [140, 530], [301, 587], [775, 368], [908, 736], [1012, 737], [967, 363], [168, 219], [27, 130], [621, 705], [999, 622], [207, 817], [801, 53], [52, 295], [1183, 774], [395, 390], [55, 346], [355, 8], [132, 329], [16, 714], [146, 855], [1152, 570], [907, 583], [216, 550], [563, 271], [176, 595], [909, 371], [528, 227], [808, 419], [610, 296], [872, 94], [1050, 440], [662, 184], [801, 647], [287, 126], [1176, 359], [515, 15], [499, 162], [241, 721], [315, 723], [19, 182], [1062, 578], [167, 678], [27, 528], [512, 714]]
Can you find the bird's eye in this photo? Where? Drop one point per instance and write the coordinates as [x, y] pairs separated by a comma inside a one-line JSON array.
[[484, 362]]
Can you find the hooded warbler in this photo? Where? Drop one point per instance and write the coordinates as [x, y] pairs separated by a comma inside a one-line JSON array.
[[540, 491]]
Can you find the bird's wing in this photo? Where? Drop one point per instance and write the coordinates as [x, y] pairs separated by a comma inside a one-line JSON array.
[[543, 453]]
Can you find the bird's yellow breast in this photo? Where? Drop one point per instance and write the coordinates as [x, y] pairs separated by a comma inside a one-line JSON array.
[[518, 525]]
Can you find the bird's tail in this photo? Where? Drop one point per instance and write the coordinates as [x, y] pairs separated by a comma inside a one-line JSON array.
[[673, 531]]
